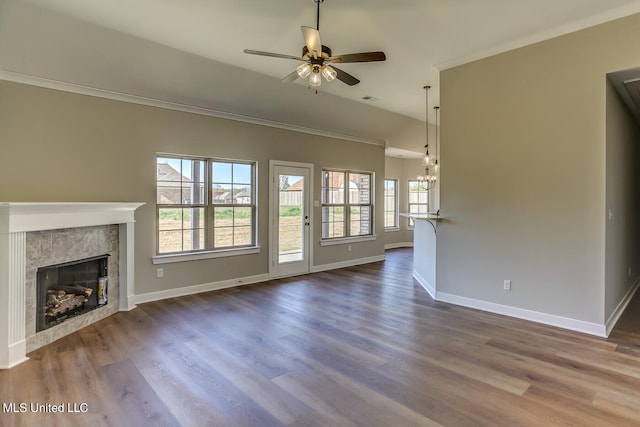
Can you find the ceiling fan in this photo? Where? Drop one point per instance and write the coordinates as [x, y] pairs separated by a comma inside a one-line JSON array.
[[317, 58]]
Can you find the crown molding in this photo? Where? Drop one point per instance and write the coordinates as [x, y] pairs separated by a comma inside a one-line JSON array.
[[31, 80], [570, 27]]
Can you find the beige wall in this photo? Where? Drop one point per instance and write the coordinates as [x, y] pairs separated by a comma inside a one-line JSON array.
[[35, 41], [523, 141], [59, 146], [622, 261]]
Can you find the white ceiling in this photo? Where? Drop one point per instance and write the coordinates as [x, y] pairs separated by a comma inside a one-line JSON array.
[[419, 37], [627, 84]]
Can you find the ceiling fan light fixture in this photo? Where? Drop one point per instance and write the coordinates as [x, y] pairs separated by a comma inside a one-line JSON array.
[[315, 79], [316, 58], [329, 73], [304, 70]]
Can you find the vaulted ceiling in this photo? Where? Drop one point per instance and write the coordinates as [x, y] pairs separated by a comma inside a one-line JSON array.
[[191, 51]]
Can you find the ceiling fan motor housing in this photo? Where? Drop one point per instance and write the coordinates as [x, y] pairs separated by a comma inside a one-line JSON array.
[[326, 53], [316, 58]]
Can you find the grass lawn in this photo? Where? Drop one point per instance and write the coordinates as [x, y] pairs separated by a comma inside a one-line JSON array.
[[172, 238]]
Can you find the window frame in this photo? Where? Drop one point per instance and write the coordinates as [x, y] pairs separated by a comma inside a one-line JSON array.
[[253, 206], [410, 222], [209, 249], [346, 205], [396, 205]]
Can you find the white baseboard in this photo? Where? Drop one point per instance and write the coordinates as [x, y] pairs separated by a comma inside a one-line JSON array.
[[348, 263], [224, 284], [521, 313], [15, 355], [615, 316], [398, 245], [427, 287], [196, 289]]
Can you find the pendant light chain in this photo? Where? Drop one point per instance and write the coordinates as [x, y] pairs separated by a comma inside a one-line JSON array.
[[426, 119], [428, 181], [436, 166]]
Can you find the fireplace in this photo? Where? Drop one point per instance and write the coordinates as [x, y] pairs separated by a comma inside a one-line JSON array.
[[71, 289], [36, 235]]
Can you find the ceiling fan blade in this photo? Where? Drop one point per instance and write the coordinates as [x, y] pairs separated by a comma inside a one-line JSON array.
[[312, 40], [358, 57], [274, 55], [345, 77], [291, 77]]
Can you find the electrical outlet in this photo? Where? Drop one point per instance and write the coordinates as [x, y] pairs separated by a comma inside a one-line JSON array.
[[349, 248], [160, 272], [507, 285]]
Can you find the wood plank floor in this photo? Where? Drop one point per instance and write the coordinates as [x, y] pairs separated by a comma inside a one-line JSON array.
[[360, 346]]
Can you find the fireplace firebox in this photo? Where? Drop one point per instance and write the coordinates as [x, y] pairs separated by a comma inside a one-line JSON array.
[[71, 289]]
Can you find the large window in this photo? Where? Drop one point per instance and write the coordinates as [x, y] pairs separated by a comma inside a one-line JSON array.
[[347, 204], [390, 203], [204, 204], [418, 199], [233, 204]]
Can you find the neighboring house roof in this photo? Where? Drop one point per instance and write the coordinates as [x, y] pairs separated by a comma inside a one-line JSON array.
[[296, 186], [243, 194], [171, 184], [165, 172]]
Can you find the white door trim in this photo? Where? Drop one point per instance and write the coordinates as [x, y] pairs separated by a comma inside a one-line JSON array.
[[273, 255]]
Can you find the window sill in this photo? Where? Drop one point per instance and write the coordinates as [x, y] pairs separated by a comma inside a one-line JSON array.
[[391, 229], [195, 256], [345, 240]]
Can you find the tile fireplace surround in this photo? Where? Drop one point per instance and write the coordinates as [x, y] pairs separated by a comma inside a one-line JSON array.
[[18, 219]]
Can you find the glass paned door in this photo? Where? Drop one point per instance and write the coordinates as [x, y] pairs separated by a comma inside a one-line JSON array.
[[291, 217]]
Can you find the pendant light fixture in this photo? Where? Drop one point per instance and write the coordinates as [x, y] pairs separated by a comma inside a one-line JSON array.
[[429, 179], [436, 166]]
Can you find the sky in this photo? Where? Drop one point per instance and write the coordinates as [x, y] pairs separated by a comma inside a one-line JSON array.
[[223, 172]]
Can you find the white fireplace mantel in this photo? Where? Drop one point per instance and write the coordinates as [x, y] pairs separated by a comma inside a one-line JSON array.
[[18, 218], [27, 216]]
